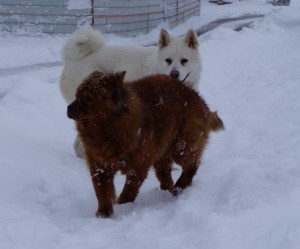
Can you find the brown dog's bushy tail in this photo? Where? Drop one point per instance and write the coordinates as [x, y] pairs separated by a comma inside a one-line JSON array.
[[215, 122]]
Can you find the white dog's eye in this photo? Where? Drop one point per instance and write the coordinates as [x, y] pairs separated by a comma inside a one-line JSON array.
[[183, 61], [169, 61]]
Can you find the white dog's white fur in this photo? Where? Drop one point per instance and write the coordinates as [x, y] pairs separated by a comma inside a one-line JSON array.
[[86, 51]]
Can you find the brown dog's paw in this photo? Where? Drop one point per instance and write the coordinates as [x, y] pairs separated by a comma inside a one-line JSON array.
[[124, 199], [101, 214], [166, 186], [104, 212], [176, 191]]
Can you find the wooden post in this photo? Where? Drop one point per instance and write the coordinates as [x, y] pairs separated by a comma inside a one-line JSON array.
[[92, 14]]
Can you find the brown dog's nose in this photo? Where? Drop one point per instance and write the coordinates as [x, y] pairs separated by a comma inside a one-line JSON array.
[[174, 74], [70, 111]]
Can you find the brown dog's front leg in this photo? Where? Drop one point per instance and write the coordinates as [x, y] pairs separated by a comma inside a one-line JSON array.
[[105, 191]]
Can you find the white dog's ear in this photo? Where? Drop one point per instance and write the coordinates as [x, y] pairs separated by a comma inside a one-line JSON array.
[[191, 39], [164, 38]]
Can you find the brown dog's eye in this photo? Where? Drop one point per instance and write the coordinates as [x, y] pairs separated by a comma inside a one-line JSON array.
[[183, 61], [88, 101], [169, 61], [116, 95]]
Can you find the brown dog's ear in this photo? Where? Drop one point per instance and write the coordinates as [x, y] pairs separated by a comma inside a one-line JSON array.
[[191, 39], [117, 91], [121, 75], [164, 38], [119, 79], [96, 74]]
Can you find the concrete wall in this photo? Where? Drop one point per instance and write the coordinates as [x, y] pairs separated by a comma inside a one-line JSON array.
[[124, 17]]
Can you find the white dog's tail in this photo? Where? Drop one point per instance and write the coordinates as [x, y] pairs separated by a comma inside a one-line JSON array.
[[82, 43]]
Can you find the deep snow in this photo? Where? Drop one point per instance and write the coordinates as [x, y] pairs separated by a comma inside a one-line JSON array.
[[246, 194]]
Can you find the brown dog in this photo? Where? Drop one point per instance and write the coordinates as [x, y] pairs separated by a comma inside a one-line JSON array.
[[130, 127]]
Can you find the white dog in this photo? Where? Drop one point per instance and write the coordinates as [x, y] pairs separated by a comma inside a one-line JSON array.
[[86, 51]]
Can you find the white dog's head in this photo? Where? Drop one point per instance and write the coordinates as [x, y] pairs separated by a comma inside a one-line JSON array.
[[179, 56]]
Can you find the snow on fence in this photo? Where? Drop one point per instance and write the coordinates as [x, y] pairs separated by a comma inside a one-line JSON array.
[[124, 17]]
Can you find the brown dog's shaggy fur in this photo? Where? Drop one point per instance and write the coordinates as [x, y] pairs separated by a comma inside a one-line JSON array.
[[130, 127]]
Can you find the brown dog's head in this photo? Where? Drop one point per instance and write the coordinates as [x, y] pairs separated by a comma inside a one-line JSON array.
[[98, 96]]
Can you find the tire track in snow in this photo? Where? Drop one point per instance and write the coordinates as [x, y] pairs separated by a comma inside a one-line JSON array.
[[23, 69], [214, 24]]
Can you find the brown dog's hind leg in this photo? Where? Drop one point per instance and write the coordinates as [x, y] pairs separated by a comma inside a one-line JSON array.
[[187, 154], [163, 169], [134, 180], [185, 179]]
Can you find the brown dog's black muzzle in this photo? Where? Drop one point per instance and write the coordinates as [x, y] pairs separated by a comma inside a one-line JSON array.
[[70, 112]]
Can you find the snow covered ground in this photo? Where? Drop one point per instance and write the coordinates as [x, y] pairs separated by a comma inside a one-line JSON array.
[[246, 194]]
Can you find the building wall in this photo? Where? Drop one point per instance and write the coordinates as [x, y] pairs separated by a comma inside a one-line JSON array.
[[124, 17]]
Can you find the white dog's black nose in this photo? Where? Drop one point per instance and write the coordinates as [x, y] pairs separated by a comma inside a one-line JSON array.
[[174, 74]]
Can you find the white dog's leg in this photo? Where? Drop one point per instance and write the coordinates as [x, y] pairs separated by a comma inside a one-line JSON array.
[[78, 148]]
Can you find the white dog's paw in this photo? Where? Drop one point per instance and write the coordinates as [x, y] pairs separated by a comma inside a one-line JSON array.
[[78, 148]]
